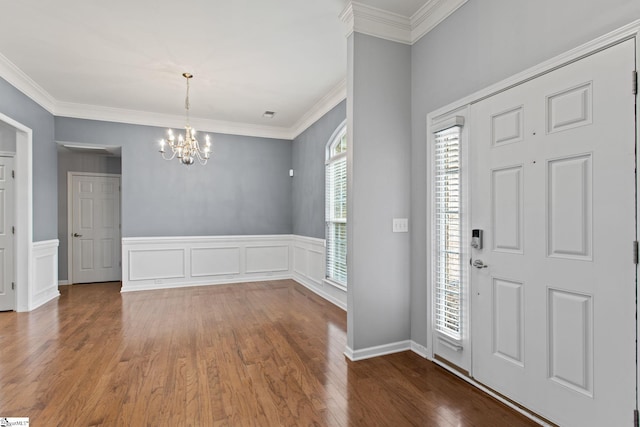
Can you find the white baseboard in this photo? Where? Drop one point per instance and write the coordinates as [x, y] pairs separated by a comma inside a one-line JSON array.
[[419, 349], [382, 350], [379, 350], [192, 283], [324, 292], [63, 283]]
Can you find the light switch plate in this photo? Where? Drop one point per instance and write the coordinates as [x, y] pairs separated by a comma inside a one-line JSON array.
[[400, 225]]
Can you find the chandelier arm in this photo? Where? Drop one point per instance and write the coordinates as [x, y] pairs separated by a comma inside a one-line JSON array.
[[169, 158]]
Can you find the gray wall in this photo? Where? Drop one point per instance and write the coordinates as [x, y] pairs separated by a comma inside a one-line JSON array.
[[482, 43], [22, 109], [7, 138], [244, 189], [379, 89], [76, 162], [308, 181]]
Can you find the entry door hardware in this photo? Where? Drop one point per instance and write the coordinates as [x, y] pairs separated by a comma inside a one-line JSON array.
[[476, 238], [478, 263]]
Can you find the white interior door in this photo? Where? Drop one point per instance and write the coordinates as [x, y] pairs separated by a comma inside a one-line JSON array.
[[7, 287], [95, 231], [553, 188]]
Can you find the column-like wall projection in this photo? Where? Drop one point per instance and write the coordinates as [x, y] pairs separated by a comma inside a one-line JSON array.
[[379, 112]]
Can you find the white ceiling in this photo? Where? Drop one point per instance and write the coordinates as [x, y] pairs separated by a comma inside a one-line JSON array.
[[247, 56]]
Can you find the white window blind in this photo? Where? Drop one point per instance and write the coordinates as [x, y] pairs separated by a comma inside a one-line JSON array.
[[448, 267], [336, 209]]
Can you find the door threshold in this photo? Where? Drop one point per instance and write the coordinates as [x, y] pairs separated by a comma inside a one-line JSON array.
[[462, 374]]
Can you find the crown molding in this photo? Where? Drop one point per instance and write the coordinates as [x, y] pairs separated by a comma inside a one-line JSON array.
[[430, 15], [372, 21], [145, 118], [18, 79], [322, 107]]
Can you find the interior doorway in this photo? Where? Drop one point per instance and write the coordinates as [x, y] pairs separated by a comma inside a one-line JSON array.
[[94, 228], [89, 189]]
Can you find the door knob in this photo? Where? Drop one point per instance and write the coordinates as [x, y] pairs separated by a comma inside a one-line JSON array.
[[479, 264], [77, 235]]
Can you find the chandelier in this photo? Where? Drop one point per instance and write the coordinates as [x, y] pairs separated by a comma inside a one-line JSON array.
[[186, 148]]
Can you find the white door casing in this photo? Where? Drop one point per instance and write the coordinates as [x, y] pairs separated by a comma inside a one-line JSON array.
[[94, 227], [7, 245], [553, 188]]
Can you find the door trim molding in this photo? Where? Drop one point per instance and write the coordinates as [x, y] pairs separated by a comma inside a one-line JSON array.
[[23, 213], [627, 32], [70, 176]]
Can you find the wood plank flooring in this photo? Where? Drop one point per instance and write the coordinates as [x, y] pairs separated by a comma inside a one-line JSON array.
[[251, 354]]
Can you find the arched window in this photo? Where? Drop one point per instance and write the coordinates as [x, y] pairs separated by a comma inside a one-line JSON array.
[[336, 206]]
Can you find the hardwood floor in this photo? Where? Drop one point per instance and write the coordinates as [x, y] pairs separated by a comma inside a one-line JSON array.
[[253, 354]]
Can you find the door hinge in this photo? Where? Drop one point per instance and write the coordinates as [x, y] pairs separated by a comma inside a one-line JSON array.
[[13, 286], [634, 82], [13, 174], [635, 252], [13, 229], [636, 419]]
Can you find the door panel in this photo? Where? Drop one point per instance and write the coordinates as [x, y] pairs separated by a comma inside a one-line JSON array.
[[553, 186], [96, 228], [7, 291]]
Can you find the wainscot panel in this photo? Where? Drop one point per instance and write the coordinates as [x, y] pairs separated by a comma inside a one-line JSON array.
[[170, 262], [44, 286], [309, 269]]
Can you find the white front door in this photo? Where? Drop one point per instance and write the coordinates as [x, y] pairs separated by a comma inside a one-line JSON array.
[[95, 231], [7, 286], [553, 188]]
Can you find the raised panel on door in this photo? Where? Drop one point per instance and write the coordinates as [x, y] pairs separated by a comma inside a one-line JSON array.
[[553, 186]]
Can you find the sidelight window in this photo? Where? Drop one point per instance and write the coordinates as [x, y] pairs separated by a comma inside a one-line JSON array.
[[448, 267]]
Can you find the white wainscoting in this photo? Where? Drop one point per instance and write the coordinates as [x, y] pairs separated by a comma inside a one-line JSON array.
[[309, 269], [171, 262], [44, 286]]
